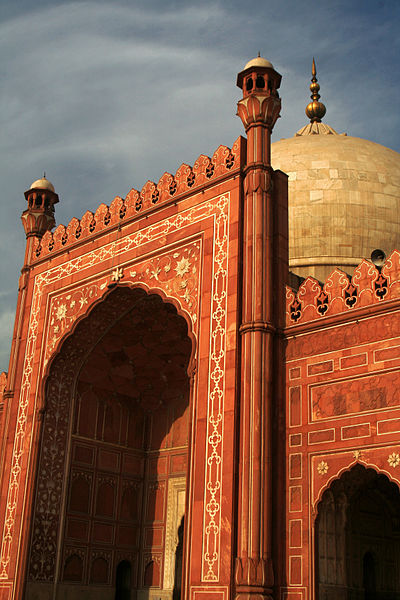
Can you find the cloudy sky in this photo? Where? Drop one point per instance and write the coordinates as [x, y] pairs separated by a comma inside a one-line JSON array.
[[106, 94]]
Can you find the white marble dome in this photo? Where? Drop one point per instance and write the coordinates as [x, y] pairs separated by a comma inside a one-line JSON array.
[[344, 199]]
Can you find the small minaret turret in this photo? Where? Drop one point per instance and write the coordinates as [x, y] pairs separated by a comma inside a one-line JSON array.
[[39, 216], [264, 251], [260, 107]]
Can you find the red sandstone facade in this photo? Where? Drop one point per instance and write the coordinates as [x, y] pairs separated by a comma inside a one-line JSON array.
[[144, 411]]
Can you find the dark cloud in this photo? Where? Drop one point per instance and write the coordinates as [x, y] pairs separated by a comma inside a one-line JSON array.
[[105, 95]]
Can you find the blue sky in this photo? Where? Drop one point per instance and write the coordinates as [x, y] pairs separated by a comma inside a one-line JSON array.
[[104, 95]]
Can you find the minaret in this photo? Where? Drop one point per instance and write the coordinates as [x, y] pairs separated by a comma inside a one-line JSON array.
[[259, 108], [39, 216], [265, 259], [36, 219]]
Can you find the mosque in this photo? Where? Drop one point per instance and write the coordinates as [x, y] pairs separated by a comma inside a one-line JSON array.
[[203, 395]]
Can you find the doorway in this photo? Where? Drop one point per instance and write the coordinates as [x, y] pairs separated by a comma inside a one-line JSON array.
[[358, 538]]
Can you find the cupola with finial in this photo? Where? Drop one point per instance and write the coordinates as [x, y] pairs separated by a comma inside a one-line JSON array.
[[39, 215], [260, 103], [315, 110]]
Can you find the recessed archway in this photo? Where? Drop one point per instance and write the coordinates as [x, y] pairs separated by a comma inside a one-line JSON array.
[[121, 383], [357, 533]]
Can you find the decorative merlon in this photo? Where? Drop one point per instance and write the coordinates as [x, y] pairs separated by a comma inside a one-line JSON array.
[[341, 293], [187, 179]]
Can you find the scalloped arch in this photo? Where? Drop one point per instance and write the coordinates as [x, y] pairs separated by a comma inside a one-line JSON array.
[[99, 301], [347, 469]]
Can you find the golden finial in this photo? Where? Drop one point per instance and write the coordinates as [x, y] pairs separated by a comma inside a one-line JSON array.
[[313, 69], [315, 110]]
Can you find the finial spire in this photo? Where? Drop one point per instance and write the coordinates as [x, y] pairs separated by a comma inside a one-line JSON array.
[[315, 110], [313, 70]]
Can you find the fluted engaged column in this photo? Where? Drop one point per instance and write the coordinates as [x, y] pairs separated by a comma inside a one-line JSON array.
[[259, 109]]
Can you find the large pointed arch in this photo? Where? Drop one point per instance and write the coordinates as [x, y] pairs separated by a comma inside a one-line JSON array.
[[47, 558]]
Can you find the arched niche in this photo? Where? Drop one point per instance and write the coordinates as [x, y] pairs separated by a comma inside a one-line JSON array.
[[115, 439], [357, 538]]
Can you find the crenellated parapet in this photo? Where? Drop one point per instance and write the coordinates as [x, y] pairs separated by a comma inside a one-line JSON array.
[[170, 187], [341, 293]]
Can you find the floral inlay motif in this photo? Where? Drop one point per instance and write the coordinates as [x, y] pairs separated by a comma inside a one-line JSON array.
[[322, 467], [216, 393], [394, 459], [166, 271], [61, 311], [117, 274], [357, 454], [67, 307], [64, 310], [182, 267]]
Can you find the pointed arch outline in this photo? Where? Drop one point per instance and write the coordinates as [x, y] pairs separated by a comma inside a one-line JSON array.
[[183, 288], [338, 475], [315, 511], [65, 366], [149, 290]]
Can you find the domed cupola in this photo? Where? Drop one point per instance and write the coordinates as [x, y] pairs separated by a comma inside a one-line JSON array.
[[260, 103], [39, 216]]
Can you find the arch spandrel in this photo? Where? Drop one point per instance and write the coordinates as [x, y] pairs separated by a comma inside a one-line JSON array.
[[174, 276]]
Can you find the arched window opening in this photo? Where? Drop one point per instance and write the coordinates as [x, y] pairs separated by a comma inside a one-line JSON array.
[[357, 543], [123, 581], [152, 574], [99, 570], [260, 82]]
